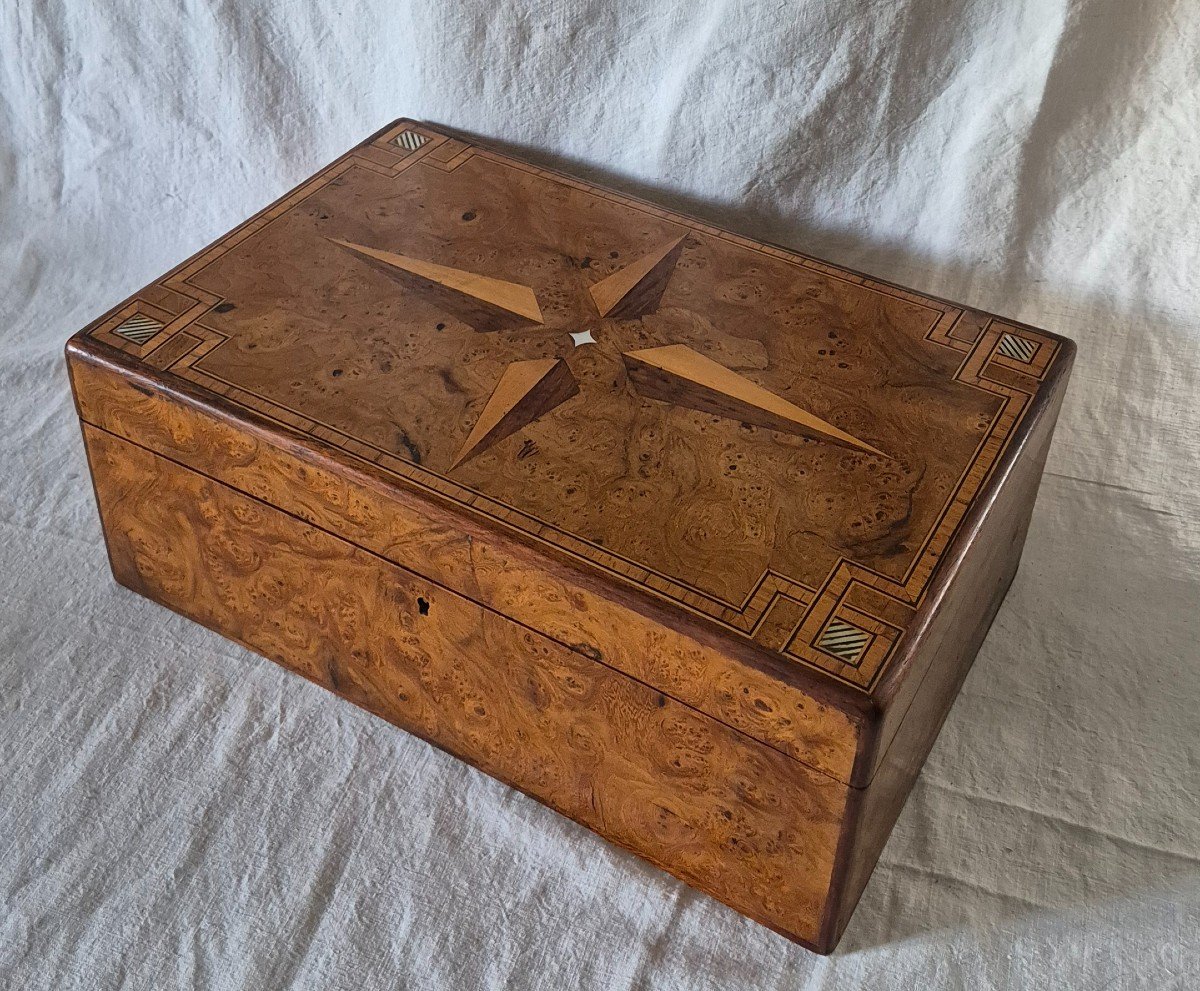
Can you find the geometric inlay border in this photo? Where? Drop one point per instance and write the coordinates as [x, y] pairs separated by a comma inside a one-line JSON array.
[[845, 641], [410, 140], [1016, 347], [139, 328]]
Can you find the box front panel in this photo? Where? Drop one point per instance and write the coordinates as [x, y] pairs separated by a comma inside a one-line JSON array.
[[416, 533], [739, 820]]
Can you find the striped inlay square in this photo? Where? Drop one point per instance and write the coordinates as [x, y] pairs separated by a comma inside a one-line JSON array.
[[844, 641], [139, 328], [410, 140], [1017, 348]]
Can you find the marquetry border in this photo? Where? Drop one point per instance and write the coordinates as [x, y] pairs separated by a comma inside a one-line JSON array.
[[778, 613]]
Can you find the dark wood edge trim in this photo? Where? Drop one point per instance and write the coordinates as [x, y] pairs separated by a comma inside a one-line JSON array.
[[308, 448], [827, 929], [87, 453], [872, 748]]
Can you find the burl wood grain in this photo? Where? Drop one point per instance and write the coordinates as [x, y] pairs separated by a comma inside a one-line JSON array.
[[330, 494], [589, 494], [316, 329], [717, 809], [772, 701]]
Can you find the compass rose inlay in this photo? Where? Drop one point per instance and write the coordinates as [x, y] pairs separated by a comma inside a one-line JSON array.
[[528, 390]]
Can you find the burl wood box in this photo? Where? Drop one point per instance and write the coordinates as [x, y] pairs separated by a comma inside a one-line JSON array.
[[689, 537]]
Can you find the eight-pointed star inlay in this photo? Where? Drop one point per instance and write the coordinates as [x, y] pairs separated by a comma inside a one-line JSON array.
[[528, 390]]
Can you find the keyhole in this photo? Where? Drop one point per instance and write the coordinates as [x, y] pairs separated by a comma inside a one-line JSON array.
[[422, 605]]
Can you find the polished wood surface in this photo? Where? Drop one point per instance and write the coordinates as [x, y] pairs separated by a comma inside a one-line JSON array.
[[918, 695], [717, 483]]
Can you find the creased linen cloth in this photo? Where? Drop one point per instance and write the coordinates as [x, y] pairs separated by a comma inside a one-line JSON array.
[[177, 813]]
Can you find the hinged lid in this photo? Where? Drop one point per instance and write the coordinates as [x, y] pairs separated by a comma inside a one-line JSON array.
[[778, 446]]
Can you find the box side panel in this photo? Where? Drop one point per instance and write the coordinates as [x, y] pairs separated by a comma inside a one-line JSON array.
[[762, 697], [1002, 510], [952, 640], [722, 812]]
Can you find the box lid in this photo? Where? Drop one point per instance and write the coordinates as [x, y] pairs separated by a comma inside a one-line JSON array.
[[772, 445]]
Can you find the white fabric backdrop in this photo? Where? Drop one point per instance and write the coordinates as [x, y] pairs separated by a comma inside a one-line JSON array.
[[175, 812]]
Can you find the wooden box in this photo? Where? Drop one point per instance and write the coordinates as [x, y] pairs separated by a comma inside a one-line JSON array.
[[689, 537]]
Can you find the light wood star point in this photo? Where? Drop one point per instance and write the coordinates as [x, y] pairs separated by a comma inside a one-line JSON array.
[[526, 391], [679, 375], [637, 289], [480, 301]]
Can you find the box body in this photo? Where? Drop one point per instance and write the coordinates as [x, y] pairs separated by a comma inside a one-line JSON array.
[[360, 443]]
